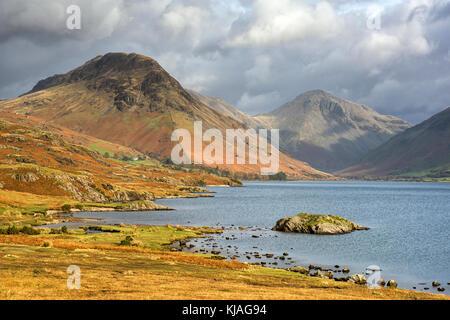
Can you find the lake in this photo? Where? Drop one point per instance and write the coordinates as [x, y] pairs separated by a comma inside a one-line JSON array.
[[408, 237]]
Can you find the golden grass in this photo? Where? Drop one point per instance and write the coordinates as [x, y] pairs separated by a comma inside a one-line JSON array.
[[40, 273], [61, 242], [30, 270], [26, 199]]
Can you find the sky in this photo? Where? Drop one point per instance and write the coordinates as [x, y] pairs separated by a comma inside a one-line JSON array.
[[391, 55]]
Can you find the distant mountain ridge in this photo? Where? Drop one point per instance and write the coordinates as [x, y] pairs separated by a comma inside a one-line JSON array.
[[420, 151], [328, 132], [325, 131], [227, 109]]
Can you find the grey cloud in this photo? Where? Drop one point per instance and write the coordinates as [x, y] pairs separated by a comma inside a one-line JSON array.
[[221, 48], [441, 11], [45, 20]]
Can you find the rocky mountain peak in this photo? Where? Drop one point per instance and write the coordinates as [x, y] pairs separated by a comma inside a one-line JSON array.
[[132, 79], [330, 132]]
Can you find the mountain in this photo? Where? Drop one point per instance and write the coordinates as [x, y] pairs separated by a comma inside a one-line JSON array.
[[328, 132], [126, 98], [227, 109], [129, 99], [420, 151]]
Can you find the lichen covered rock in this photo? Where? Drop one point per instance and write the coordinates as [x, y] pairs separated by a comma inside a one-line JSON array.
[[316, 224]]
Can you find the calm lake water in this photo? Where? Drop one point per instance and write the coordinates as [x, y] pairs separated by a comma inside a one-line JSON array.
[[408, 237]]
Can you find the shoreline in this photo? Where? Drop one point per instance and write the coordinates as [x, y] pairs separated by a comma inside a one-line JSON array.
[[185, 242], [264, 258], [416, 286], [96, 252], [184, 246], [107, 207], [318, 267]]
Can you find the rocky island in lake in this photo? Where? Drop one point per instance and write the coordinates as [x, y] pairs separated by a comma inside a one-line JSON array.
[[316, 224]]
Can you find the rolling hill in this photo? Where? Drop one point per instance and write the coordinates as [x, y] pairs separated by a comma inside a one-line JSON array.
[[422, 151]]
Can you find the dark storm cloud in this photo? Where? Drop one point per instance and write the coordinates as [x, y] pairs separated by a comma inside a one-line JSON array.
[[441, 11], [254, 54]]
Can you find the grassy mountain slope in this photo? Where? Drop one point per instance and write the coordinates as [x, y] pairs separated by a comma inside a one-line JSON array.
[[421, 151], [41, 169], [129, 99], [328, 132]]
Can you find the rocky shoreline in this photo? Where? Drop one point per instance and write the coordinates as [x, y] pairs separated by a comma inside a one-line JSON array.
[[312, 270], [209, 245], [213, 245], [61, 216]]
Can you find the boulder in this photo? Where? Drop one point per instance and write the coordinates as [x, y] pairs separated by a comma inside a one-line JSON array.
[[392, 284], [435, 284], [357, 278], [316, 224], [175, 246], [25, 177], [299, 269], [318, 274]]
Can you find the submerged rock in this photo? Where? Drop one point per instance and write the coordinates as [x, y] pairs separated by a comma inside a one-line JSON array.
[[316, 224]]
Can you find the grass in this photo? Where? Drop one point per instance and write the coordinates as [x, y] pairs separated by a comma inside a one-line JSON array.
[[102, 148], [40, 273], [445, 179], [148, 237], [34, 267], [157, 122], [144, 162], [30, 193], [22, 208], [312, 220]]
